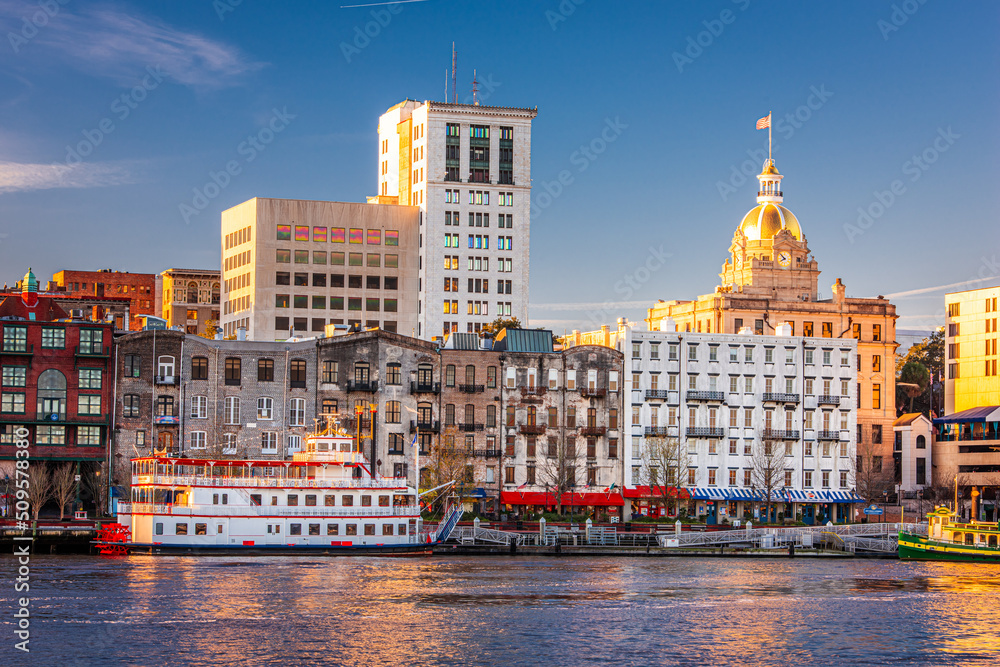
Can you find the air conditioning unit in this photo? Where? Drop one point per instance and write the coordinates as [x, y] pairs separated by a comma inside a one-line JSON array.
[[76, 313]]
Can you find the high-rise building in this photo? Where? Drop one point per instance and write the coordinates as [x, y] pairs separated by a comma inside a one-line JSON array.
[[468, 169], [188, 298], [291, 267], [971, 378]]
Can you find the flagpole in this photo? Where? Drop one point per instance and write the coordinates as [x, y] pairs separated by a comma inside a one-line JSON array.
[[768, 135]]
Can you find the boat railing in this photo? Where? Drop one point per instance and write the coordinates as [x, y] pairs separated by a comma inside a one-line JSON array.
[[269, 482], [217, 511]]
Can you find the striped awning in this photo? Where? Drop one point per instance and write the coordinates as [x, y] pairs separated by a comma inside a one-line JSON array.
[[777, 495]]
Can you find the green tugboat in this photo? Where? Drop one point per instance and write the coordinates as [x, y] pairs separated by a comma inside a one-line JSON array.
[[947, 539]]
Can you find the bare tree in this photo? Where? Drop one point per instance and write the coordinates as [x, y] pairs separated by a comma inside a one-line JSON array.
[[561, 466], [39, 487], [63, 486], [450, 463], [664, 461], [767, 467], [95, 481], [873, 478]]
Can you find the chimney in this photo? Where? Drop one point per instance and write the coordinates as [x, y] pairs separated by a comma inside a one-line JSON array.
[[839, 291], [241, 333]]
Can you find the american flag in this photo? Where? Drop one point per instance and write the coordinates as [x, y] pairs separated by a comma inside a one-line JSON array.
[[764, 122]]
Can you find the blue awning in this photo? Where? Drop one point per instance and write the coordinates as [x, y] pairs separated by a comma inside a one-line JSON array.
[[777, 495], [988, 413]]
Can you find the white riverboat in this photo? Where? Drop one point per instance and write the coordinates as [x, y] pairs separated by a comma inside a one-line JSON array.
[[324, 500]]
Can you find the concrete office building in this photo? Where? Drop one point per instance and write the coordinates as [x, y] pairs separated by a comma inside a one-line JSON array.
[[971, 378]]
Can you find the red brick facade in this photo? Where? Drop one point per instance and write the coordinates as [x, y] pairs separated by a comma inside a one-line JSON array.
[[140, 288]]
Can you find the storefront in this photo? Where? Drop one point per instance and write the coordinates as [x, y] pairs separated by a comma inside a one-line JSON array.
[[717, 505], [655, 502], [535, 502]]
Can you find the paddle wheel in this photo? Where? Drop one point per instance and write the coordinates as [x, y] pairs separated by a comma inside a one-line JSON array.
[[113, 539]]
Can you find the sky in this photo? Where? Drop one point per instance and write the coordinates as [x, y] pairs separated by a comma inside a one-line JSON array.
[[118, 120]]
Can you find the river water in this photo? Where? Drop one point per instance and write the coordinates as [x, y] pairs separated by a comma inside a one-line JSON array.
[[145, 610]]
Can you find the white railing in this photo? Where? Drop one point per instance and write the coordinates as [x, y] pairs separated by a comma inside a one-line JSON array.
[[269, 482], [467, 534], [867, 536], [410, 511]]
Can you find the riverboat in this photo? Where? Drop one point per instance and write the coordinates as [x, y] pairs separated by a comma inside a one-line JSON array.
[[948, 539], [325, 500]]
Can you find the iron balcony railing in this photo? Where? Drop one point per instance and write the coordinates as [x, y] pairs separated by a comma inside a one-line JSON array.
[[593, 430], [425, 388], [371, 386], [828, 399], [705, 432], [656, 394], [593, 392], [472, 388], [532, 429], [426, 426], [779, 434], [655, 431], [705, 396], [780, 397], [470, 427], [828, 435]]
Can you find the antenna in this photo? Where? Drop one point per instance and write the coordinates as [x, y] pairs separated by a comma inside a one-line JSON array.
[[475, 89], [446, 86], [454, 73]]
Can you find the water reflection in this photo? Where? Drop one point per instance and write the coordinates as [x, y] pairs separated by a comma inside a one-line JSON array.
[[522, 611]]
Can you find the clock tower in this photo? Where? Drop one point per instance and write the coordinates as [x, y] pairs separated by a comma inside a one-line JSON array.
[[769, 255]]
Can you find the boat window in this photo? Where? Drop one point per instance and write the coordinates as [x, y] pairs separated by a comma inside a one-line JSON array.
[[274, 500], [332, 529], [293, 500], [215, 498], [348, 501], [181, 529], [366, 501], [218, 528], [387, 529], [311, 502], [159, 529], [993, 540], [295, 529], [369, 529], [225, 498], [383, 501], [958, 538], [314, 529], [201, 529], [352, 529], [330, 500], [255, 499], [969, 537], [402, 529]]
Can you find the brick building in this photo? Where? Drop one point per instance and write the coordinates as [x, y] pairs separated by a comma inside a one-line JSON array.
[[57, 380], [138, 288]]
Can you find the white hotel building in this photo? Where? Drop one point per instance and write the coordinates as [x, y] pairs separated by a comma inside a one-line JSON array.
[[720, 395], [468, 169]]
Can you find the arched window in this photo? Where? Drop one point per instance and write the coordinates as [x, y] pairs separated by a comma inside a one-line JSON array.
[[215, 293], [192, 292], [921, 442], [51, 394], [165, 368]]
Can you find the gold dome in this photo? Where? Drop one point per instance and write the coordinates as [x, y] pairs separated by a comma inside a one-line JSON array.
[[770, 170], [765, 220]]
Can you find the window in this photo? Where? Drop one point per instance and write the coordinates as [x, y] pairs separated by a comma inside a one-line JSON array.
[[876, 363], [14, 403], [297, 412], [265, 408], [297, 374], [877, 332], [269, 442], [876, 396], [392, 412], [232, 410], [91, 341], [91, 404], [53, 338], [232, 371]]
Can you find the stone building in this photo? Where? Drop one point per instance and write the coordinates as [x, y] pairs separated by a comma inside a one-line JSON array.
[[189, 299], [561, 415], [467, 167]]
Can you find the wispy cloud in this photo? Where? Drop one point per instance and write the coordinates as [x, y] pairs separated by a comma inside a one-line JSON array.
[[107, 42], [21, 177], [592, 305], [938, 288]]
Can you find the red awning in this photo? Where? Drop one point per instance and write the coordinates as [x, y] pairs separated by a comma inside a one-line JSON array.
[[596, 499], [655, 492]]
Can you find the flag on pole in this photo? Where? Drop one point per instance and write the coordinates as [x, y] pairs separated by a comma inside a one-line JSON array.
[[412, 444], [764, 122]]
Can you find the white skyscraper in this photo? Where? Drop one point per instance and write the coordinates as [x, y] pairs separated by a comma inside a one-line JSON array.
[[468, 168]]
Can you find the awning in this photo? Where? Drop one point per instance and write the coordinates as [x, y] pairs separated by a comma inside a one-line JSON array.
[[777, 495], [597, 499], [720, 493], [655, 492], [989, 413]]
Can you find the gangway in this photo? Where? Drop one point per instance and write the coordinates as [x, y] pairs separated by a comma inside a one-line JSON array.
[[475, 534], [868, 537]]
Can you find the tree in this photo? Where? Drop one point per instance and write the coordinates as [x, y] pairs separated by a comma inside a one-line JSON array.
[[95, 481], [449, 463], [930, 354], [767, 467], [39, 487], [211, 328], [664, 462], [912, 380], [500, 323], [560, 469], [872, 479], [63, 486]]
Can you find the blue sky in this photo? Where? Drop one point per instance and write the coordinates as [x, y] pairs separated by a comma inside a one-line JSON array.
[[112, 115]]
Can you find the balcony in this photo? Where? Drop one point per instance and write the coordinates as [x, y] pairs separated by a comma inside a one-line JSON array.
[[593, 392], [705, 432], [425, 388], [705, 396], [472, 388], [18, 350], [828, 399], [166, 379], [537, 390], [777, 193], [425, 426], [89, 352], [775, 434], [370, 386], [776, 397], [656, 394], [532, 429], [656, 431], [828, 435], [469, 427], [486, 453], [593, 430]]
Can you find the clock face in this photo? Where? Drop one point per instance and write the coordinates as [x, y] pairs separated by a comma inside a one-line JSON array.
[[784, 258]]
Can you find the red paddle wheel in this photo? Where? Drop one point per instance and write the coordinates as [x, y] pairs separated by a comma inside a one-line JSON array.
[[113, 539]]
